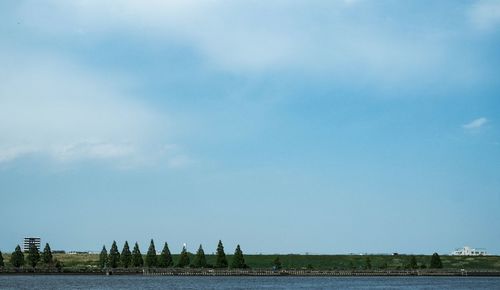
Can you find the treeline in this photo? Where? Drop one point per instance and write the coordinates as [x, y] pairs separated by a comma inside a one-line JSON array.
[[33, 258], [135, 259], [126, 258], [411, 263]]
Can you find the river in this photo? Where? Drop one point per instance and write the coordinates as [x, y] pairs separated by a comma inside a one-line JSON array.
[[175, 282]]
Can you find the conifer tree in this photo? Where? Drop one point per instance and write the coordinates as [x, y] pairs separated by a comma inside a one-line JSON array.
[[33, 255], [183, 258], [17, 258], [137, 260], [238, 259], [436, 262], [199, 260], [103, 257], [221, 261], [165, 259], [351, 265], [126, 256], [114, 256], [413, 262], [47, 255], [368, 263], [277, 263], [151, 260], [58, 264], [1, 260]]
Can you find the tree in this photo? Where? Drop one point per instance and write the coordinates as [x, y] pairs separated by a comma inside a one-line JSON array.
[[17, 258], [238, 259], [277, 263], [1, 260], [126, 256], [413, 263], [33, 255], [351, 265], [58, 264], [151, 260], [436, 262], [221, 261], [114, 256], [368, 263], [47, 255], [183, 259], [165, 259], [137, 260], [103, 257], [199, 260]]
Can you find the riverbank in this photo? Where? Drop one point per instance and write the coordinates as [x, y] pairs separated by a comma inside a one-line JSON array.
[[313, 262], [250, 272], [292, 265]]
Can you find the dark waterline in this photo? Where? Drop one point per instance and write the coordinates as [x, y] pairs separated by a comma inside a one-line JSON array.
[[169, 282]]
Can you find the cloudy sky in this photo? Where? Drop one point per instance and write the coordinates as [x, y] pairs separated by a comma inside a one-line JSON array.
[[284, 126]]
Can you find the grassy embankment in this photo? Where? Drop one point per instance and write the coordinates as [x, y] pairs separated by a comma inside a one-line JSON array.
[[324, 262]]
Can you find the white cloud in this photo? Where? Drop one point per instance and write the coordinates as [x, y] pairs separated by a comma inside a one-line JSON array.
[[475, 124], [254, 36], [11, 153], [53, 108], [94, 150], [485, 14]]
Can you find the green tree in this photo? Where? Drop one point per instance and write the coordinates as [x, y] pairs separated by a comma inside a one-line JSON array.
[[1, 260], [114, 256], [183, 258], [238, 259], [165, 259], [221, 261], [151, 260], [103, 257], [277, 263], [33, 255], [413, 262], [137, 260], [199, 260], [126, 256], [436, 262], [58, 264], [351, 265], [368, 263], [47, 255]]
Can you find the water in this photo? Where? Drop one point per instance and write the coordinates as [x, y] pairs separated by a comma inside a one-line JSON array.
[[175, 282]]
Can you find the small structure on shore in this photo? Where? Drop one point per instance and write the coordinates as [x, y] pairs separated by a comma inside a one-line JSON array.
[[468, 251], [28, 241]]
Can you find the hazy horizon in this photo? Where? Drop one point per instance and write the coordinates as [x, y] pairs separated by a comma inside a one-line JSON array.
[[348, 126]]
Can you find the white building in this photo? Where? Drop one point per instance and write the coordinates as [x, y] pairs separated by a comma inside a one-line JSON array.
[[468, 251], [29, 241]]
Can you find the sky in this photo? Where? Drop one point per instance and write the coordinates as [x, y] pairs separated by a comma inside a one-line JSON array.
[[348, 126]]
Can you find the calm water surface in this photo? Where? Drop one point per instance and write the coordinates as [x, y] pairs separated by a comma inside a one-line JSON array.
[[163, 282]]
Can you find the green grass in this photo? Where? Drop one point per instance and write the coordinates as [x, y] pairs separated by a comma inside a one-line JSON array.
[[330, 262]]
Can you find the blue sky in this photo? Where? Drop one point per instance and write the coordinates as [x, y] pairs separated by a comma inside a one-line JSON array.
[[284, 126]]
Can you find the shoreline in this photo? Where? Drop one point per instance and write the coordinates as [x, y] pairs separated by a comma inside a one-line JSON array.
[[256, 273]]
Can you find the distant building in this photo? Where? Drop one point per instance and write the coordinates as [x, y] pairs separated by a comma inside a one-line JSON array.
[[29, 241], [468, 251], [82, 252]]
